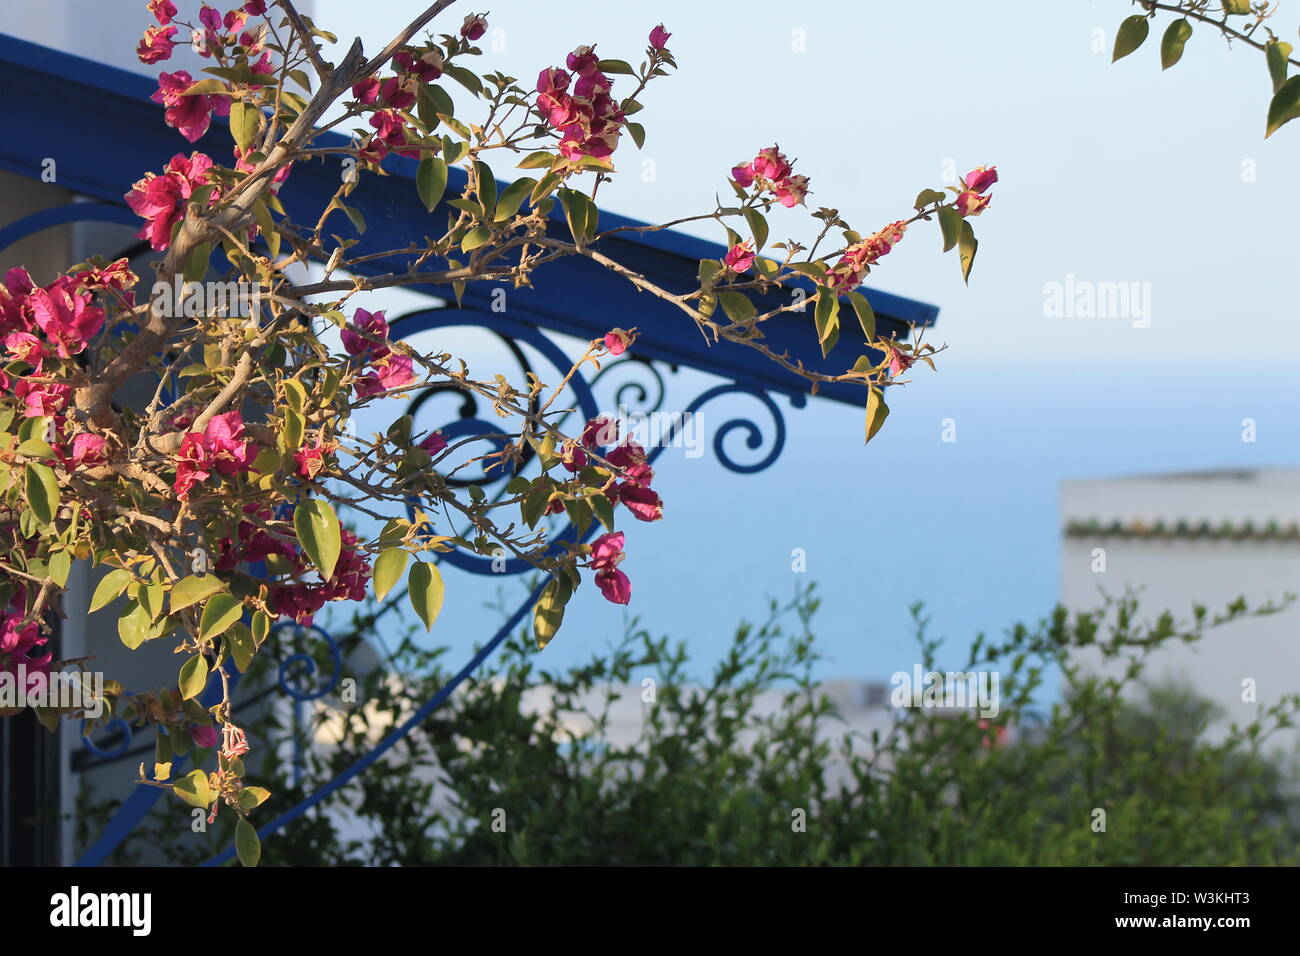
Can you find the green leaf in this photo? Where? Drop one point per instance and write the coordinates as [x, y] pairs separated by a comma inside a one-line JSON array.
[[42, 492], [250, 798], [476, 237], [737, 306], [827, 318], [193, 789], [637, 132], [967, 245], [617, 67], [425, 587], [239, 640], [319, 534], [537, 161], [265, 223], [1276, 54], [110, 586], [1171, 44], [580, 213], [487, 189], [949, 226], [1236, 6], [431, 181], [1284, 107], [866, 314], [221, 611], [388, 570], [548, 613], [927, 197], [291, 434], [1130, 36], [544, 187], [877, 411], [247, 844], [193, 589], [60, 565], [194, 677], [243, 123], [133, 625], [603, 509], [426, 108], [513, 197], [196, 265], [757, 225]]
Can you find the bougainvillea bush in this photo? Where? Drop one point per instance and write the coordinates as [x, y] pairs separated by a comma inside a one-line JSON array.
[[213, 506]]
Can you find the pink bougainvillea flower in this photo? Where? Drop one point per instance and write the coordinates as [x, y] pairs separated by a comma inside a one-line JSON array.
[[224, 439], [246, 165], [255, 8], [774, 173], [589, 120], [159, 199], [659, 37], [435, 443], [641, 500], [740, 257], [390, 372], [573, 458], [27, 348], [607, 550], [552, 80], [311, 458], [582, 60], [606, 553], [980, 178], [204, 735], [221, 448], [17, 286], [771, 164], [367, 91], [42, 399], [68, 318], [600, 432], [899, 361], [88, 450], [156, 44], [116, 275], [21, 645], [634, 491], [791, 190], [617, 341], [475, 26], [971, 204], [366, 335], [190, 115], [163, 10], [848, 272], [253, 542], [301, 600]]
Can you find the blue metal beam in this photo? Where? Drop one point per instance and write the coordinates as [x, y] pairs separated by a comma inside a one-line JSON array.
[[103, 131]]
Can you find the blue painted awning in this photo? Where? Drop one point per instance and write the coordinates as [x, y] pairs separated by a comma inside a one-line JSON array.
[[105, 133]]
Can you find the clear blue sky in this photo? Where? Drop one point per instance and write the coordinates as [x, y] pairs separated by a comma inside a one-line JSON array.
[[1109, 173]]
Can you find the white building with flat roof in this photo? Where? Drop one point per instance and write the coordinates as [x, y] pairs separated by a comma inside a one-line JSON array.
[[1195, 538]]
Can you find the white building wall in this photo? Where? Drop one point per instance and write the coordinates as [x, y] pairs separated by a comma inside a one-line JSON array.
[[1175, 572]]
